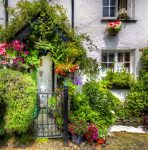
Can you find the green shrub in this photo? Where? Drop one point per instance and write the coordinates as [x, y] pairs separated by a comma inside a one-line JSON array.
[[94, 104], [100, 98], [137, 99], [144, 62], [18, 94], [119, 80]]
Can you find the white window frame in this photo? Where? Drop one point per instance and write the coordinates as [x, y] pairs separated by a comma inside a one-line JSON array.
[[116, 51], [116, 4], [130, 9]]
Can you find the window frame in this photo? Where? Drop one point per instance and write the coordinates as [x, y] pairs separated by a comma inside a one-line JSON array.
[[116, 4], [132, 18], [116, 51]]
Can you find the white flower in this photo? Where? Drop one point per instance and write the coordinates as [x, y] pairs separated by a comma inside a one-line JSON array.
[[112, 112]]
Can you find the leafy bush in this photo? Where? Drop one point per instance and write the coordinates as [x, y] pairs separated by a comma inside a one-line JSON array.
[[102, 101], [137, 99], [144, 62], [94, 104], [18, 95], [119, 80]]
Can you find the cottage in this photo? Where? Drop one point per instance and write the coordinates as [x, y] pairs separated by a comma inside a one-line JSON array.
[[92, 17]]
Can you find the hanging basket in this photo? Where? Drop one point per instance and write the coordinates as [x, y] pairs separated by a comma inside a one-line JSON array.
[[112, 33], [113, 27]]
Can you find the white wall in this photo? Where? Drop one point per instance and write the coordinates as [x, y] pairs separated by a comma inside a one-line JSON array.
[[2, 14], [88, 15]]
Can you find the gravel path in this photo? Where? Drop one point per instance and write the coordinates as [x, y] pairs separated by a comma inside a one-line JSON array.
[[119, 141]]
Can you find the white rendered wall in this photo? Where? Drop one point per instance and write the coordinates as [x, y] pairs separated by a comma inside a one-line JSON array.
[[2, 14], [134, 35], [88, 15]]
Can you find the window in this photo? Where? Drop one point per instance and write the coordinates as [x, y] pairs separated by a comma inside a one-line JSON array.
[[112, 8], [117, 61]]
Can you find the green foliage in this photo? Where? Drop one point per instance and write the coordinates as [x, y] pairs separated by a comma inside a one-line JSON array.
[[102, 101], [137, 99], [94, 104], [119, 80], [24, 139], [52, 102], [71, 88], [144, 62], [102, 133], [52, 32], [100, 98], [18, 95]]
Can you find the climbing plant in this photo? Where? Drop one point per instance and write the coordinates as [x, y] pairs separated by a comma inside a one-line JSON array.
[[49, 31]]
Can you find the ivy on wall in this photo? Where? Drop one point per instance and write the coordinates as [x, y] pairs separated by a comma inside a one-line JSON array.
[[50, 31]]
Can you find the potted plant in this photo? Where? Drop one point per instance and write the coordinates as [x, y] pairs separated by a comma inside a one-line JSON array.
[[102, 136], [77, 129], [122, 14], [92, 134], [114, 27]]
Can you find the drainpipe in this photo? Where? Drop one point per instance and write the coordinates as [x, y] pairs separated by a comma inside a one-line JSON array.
[[6, 12], [72, 13]]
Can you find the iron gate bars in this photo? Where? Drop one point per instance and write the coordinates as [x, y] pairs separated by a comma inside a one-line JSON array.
[[49, 118]]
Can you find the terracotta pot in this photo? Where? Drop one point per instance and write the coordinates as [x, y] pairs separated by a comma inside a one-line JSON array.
[[101, 141]]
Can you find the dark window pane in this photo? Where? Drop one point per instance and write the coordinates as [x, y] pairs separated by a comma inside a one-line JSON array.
[[105, 2], [111, 65], [120, 57], [105, 11], [111, 57], [104, 65], [104, 57], [127, 57], [112, 11], [112, 2], [127, 67]]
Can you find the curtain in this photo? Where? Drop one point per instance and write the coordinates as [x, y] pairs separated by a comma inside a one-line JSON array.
[[122, 4]]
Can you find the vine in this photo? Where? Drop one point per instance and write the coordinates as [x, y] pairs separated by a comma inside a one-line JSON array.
[[50, 32]]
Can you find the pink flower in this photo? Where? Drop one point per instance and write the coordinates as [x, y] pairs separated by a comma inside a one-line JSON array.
[[4, 62], [17, 45], [26, 52], [4, 45], [18, 59], [2, 51]]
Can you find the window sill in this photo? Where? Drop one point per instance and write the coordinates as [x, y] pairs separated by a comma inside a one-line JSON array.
[[111, 19]]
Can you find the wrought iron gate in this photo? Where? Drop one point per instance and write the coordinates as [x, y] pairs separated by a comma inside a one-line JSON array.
[[49, 115]]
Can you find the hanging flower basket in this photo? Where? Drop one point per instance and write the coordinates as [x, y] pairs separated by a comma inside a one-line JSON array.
[[114, 27], [64, 69]]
